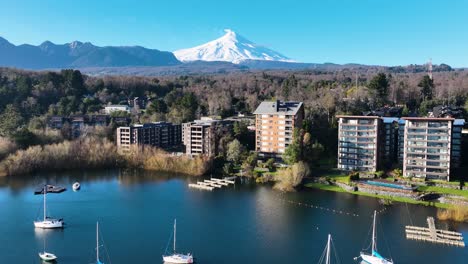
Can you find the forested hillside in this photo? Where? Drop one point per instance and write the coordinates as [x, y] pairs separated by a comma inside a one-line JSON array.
[[27, 98]]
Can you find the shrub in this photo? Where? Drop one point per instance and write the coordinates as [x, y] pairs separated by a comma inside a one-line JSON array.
[[6, 147], [289, 178], [379, 174], [458, 214], [270, 164], [354, 176]]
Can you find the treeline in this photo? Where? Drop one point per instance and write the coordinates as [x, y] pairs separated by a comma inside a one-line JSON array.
[[28, 98]]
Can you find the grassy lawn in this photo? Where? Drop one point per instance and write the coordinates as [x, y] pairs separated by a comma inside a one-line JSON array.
[[441, 190], [450, 182], [334, 188], [333, 174]]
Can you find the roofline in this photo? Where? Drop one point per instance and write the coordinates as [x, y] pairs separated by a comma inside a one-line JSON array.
[[429, 118], [361, 117]]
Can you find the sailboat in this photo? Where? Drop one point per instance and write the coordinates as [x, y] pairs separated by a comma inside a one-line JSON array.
[[97, 244], [374, 257], [326, 258], [47, 256], [177, 257], [47, 222]]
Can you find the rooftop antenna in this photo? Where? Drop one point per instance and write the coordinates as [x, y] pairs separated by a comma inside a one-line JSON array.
[[429, 68]]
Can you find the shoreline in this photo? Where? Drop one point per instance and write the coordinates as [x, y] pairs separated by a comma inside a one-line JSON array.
[[334, 188]]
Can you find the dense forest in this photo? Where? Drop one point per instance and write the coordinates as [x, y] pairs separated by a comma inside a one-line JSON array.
[[28, 98]]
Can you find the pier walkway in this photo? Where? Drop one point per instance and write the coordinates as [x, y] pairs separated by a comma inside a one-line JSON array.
[[431, 234], [213, 183]]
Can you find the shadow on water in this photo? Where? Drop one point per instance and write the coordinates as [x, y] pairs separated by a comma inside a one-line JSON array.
[[66, 178]]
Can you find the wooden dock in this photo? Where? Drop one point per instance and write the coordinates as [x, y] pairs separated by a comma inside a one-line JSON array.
[[431, 234], [50, 189], [212, 184]]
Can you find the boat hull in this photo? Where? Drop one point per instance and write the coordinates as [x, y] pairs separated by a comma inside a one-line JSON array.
[[48, 257], [374, 260], [49, 224], [178, 258]]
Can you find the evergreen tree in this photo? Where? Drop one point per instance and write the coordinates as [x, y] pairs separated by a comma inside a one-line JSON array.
[[379, 85], [427, 87]]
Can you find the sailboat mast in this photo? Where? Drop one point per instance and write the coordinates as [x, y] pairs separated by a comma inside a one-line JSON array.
[[175, 229], [328, 250], [373, 233], [45, 192], [97, 241]]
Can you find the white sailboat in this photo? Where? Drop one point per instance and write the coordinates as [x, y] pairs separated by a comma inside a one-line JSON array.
[[374, 257], [177, 257], [326, 255], [47, 222], [97, 244]]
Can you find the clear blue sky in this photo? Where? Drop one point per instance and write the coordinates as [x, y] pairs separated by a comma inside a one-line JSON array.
[[385, 32]]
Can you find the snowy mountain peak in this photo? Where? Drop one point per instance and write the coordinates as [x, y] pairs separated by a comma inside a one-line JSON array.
[[232, 48]]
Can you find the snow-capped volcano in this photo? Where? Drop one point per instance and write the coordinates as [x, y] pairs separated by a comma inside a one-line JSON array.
[[232, 48]]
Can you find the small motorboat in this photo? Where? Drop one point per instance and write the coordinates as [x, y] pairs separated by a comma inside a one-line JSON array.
[[76, 186], [47, 257]]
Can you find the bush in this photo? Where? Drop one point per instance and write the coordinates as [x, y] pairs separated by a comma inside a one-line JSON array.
[[397, 173], [6, 147], [289, 178], [270, 164], [379, 174], [354, 176], [80, 154]]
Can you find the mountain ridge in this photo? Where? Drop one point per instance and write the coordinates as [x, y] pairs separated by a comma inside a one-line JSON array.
[[78, 54]]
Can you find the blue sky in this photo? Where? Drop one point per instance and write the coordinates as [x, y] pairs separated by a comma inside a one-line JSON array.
[[384, 32]]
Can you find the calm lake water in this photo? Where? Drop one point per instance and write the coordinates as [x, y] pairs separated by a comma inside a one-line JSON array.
[[240, 224]]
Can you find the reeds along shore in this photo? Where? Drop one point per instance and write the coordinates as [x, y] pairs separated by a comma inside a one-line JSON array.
[[458, 214], [95, 153]]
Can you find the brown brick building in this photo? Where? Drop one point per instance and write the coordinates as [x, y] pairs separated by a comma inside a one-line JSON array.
[[275, 123]]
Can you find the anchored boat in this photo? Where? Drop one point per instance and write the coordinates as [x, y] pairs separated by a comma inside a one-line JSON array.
[[47, 222], [374, 257], [177, 257]]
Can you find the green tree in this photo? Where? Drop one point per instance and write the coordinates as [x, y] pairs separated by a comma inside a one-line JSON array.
[[379, 84], [293, 152], [227, 168], [10, 121], [157, 106], [240, 129], [270, 164], [234, 151], [427, 87]]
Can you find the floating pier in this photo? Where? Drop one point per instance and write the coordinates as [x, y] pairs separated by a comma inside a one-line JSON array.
[[50, 189], [212, 184], [431, 234]]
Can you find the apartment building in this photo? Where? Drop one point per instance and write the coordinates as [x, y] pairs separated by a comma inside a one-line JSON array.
[[158, 134], [428, 147], [275, 123], [358, 143], [200, 136], [389, 139]]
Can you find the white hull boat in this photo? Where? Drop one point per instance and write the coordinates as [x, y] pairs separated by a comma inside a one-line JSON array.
[[48, 257], [76, 186], [374, 257], [366, 258], [47, 222], [177, 257]]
